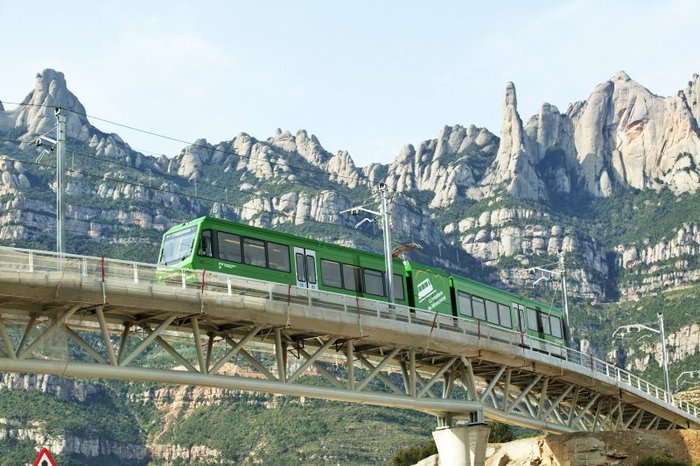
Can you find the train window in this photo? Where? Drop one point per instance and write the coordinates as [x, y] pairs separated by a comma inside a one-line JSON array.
[[330, 273], [544, 320], [178, 246], [479, 308], [465, 303], [205, 245], [519, 316], [491, 311], [301, 270], [532, 319], [504, 315], [556, 326], [229, 247], [351, 277], [311, 269], [374, 282], [398, 287], [254, 252], [278, 257]]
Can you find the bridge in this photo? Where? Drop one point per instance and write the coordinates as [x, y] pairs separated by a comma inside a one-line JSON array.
[[110, 313]]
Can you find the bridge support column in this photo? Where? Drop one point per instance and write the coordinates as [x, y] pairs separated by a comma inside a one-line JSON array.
[[462, 445]]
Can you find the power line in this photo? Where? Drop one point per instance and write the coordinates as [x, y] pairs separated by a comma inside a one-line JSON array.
[[178, 178], [215, 149], [234, 207], [193, 144], [416, 201], [174, 177]]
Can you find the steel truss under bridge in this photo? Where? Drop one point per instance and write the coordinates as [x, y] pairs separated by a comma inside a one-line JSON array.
[[87, 317]]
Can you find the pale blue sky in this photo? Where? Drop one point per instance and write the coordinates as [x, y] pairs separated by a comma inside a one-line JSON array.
[[364, 76]]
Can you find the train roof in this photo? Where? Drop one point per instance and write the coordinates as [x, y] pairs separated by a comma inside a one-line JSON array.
[[267, 231]]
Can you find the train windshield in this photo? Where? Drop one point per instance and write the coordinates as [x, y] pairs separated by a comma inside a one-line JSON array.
[[178, 246]]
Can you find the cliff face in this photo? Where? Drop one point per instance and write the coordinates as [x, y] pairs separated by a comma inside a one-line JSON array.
[[597, 449], [193, 425], [681, 345], [625, 135], [667, 264]]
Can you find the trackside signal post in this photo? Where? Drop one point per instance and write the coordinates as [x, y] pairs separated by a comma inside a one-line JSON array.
[[562, 274]]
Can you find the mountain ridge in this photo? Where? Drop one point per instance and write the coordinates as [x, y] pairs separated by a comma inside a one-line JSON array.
[[485, 206], [463, 169]]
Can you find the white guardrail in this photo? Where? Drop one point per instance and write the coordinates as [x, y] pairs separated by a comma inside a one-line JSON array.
[[112, 270]]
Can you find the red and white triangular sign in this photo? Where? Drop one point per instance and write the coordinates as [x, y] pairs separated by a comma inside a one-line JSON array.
[[44, 458]]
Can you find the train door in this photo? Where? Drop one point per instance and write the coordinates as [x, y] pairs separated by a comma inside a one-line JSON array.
[[305, 261], [520, 324]]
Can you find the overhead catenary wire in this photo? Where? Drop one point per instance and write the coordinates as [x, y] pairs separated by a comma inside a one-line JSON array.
[[200, 198], [192, 144], [225, 152], [236, 207], [416, 201], [280, 161], [171, 176]]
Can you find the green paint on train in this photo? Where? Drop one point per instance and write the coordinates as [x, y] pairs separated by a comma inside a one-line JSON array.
[[216, 245]]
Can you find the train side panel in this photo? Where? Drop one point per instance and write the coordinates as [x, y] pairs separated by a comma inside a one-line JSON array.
[[251, 252], [430, 289]]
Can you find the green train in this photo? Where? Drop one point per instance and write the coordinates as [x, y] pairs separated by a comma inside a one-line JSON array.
[[217, 245]]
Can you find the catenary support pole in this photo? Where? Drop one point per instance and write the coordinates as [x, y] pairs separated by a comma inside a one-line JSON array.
[[562, 274], [664, 354], [387, 246], [60, 187]]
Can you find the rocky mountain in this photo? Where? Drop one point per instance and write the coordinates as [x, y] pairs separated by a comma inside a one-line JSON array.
[[613, 182], [479, 204], [622, 136]]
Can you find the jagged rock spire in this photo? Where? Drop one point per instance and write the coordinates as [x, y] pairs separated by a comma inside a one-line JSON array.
[[512, 170], [37, 110]]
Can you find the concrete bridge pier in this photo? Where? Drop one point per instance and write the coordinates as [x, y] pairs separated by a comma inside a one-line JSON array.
[[463, 445]]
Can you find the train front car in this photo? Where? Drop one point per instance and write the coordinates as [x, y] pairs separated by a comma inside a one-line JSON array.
[[177, 252], [177, 248], [233, 248]]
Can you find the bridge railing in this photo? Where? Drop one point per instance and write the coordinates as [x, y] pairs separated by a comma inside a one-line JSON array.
[[113, 271]]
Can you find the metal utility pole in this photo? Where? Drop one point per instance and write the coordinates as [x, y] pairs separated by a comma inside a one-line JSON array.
[[387, 246], [562, 274], [60, 189], [388, 259], [620, 331], [664, 354]]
